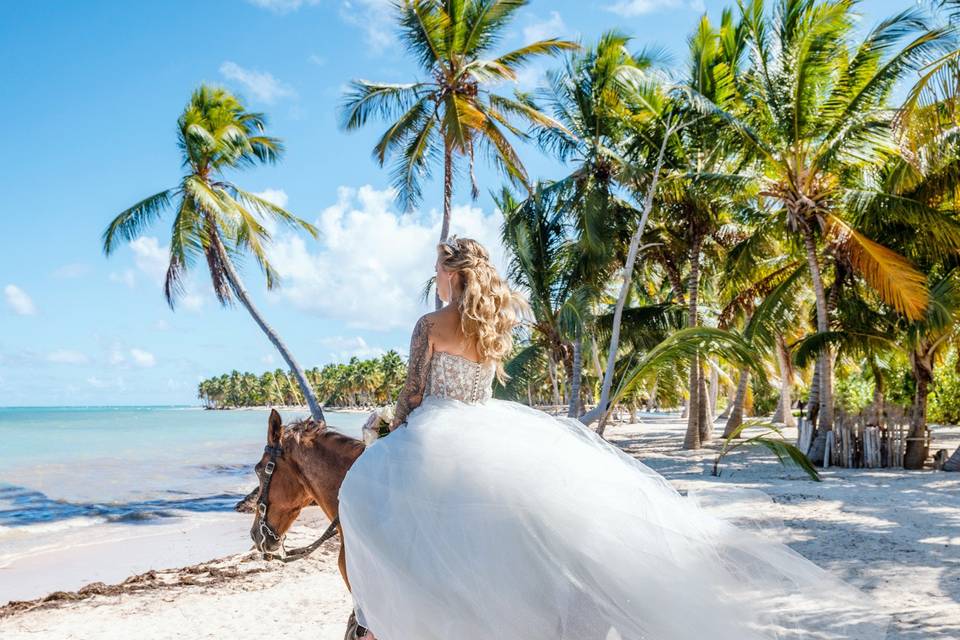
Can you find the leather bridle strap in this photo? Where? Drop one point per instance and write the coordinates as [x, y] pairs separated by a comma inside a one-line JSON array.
[[263, 504], [275, 451]]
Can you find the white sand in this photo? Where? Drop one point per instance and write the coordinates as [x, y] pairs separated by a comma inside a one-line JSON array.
[[895, 534]]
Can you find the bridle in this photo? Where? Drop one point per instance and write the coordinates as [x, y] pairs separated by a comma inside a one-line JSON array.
[[263, 504], [275, 451]]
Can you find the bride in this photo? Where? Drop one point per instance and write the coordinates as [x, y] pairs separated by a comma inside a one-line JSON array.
[[480, 519]]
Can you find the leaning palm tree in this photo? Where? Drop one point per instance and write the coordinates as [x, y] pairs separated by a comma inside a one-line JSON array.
[[216, 221], [814, 113], [450, 115]]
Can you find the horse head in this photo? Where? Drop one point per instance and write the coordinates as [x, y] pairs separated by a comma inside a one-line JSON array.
[[282, 493]]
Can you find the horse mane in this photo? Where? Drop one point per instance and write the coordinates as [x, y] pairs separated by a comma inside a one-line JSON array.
[[308, 432]]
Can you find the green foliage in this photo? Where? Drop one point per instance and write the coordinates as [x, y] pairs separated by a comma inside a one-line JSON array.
[[358, 383], [853, 392], [944, 403], [765, 395], [451, 113], [215, 221]]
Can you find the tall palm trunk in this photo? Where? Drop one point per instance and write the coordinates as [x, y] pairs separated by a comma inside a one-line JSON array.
[[825, 361], [731, 392], [916, 452], [447, 202], [695, 418], [706, 415], [813, 401], [600, 411], [736, 412], [241, 292], [573, 410], [552, 370], [785, 407], [714, 389]]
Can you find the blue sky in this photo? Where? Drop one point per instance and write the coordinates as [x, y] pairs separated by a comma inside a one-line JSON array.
[[92, 92]]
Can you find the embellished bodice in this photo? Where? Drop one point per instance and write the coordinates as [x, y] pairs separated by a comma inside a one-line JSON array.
[[458, 378]]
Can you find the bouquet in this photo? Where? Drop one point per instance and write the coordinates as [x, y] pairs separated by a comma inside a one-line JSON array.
[[377, 425]]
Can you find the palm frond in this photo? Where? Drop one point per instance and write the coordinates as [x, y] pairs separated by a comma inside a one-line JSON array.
[[893, 277], [131, 222]]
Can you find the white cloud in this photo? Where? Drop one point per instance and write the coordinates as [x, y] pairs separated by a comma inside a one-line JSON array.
[[375, 18], [127, 277], [372, 263], [342, 348], [552, 27], [150, 258], [142, 358], [100, 383], [191, 301], [282, 6], [116, 355], [630, 8], [19, 301], [260, 83], [533, 74], [278, 197], [73, 270], [67, 356], [268, 359], [317, 60]]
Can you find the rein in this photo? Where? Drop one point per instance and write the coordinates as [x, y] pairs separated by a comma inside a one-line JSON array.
[[263, 504]]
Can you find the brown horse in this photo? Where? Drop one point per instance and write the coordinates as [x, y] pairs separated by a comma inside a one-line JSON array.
[[302, 464]]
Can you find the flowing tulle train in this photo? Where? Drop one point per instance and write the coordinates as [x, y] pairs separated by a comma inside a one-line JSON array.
[[496, 521]]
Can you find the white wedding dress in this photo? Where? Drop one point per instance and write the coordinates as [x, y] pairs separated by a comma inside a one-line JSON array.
[[488, 520]]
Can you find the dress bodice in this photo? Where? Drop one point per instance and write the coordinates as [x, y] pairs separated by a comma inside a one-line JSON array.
[[459, 378]]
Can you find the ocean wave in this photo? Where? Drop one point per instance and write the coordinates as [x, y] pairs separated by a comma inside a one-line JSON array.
[[21, 506], [49, 527]]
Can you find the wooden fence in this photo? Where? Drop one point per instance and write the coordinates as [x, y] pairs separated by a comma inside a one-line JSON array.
[[872, 439]]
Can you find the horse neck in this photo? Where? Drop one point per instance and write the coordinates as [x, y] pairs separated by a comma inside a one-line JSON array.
[[323, 461]]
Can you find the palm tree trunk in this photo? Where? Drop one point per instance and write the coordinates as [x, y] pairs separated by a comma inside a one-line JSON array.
[[694, 436], [573, 410], [813, 401], [714, 389], [706, 416], [237, 285], [600, 411], [916, 452], [447, 202], [825, 419], [785, 407], [736, 412], [731, 392], [552, 369]]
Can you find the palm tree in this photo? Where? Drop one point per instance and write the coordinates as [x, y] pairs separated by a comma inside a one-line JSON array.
[[814, 112], [216, 220], [699, 188], [561, 283], [599, 99], [450, 114]]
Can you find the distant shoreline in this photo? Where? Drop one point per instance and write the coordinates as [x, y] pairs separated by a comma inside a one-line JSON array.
[[263, 407]]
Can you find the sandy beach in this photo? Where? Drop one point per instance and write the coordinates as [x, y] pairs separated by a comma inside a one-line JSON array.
[[893, 533]]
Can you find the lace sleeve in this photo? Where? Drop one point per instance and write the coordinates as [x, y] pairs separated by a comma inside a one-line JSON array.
[[418, 368]]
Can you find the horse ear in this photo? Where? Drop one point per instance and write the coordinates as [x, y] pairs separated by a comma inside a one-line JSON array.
[[274, 427]]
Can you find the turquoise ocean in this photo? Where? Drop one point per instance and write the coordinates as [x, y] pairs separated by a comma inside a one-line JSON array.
[[68, 472]]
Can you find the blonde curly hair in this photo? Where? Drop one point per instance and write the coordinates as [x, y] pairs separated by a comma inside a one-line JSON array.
[[489, 308]]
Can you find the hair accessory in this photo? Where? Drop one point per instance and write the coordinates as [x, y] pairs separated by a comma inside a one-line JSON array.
[[452, 242]]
